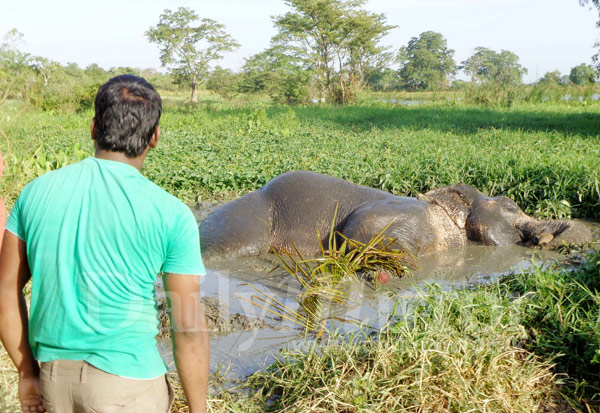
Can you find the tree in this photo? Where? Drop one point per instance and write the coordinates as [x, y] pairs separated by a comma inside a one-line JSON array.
[[460, 84], [284, 78], [595, 3], [44, 83], [224, 82], [426, 62], [551, 78], [187, 51], [582, 74], [488, 66], [124, 70], [336, 39], [255, 74], [16, 73], [596, 57], [382, 79], [96, 72]]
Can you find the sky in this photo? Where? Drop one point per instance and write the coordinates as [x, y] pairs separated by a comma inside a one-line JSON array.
[[547, 35]]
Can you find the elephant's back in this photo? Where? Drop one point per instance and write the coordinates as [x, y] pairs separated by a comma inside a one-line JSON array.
[[304, 194], [309, 183], [305, 203]]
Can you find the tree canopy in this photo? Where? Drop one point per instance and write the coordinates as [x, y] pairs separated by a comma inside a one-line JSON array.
[[582, 74], [426, 62], [336, 39], [285, 78], [189, 44], [488, 66], [16, 74], [596, 4], [224, 82], [551, 78]]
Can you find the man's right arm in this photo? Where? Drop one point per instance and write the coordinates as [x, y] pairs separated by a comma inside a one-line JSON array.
[[14, 274], [190, 337]]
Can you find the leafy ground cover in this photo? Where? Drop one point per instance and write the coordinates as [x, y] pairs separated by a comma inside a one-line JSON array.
[[543, 156]]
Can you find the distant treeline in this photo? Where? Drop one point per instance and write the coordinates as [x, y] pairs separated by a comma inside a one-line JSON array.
[[327, 51]]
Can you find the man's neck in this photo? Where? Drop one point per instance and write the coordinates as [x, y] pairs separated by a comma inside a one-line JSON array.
[[121, 157]]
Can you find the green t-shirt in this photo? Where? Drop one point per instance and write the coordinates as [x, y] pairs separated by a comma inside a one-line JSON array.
[[97, 234]]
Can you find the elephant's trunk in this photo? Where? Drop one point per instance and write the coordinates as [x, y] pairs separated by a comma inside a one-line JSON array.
[[550, 234]]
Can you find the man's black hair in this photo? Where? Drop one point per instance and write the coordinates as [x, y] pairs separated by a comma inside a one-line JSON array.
[[127, 113]]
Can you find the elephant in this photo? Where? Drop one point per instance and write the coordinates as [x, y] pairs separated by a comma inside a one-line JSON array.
[[287, 213]]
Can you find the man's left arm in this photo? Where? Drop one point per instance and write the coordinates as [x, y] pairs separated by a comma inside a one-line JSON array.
[[14, 321]]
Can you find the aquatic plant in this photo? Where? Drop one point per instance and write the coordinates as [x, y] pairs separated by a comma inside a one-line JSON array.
[[320, 277]]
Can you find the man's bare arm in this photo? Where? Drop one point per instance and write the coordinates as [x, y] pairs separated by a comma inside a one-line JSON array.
[[14, 321], [190, 337], [14, 274]]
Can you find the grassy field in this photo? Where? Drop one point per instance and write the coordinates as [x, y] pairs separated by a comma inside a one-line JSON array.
[[526, 344], [543, 156]]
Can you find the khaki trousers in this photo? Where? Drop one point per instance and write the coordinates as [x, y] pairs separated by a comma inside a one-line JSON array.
[[73, 386]]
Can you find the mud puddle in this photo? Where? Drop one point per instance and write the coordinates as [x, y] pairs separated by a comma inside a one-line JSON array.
[[243, 347]]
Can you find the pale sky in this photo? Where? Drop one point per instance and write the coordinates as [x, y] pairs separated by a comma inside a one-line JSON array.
[[545, 34]]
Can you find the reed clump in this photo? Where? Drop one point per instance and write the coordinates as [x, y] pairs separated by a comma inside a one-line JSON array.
[[320, 277]]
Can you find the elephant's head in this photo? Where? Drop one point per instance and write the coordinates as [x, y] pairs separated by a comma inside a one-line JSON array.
[[499, 220]]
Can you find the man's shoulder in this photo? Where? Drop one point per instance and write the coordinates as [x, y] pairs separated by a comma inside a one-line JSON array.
[[164, 197], [171, 208], [53, 175]]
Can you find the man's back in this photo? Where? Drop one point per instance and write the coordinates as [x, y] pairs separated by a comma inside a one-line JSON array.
[[93, 237], [97, 233]]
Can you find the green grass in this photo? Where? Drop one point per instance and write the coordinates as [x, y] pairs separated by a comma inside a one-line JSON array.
[[561, 314], [543, 156], [529, 343]]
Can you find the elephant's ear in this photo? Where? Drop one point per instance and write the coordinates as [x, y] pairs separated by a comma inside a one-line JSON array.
[[455, 200]]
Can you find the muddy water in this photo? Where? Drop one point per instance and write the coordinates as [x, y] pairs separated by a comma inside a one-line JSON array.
[[236, 354]]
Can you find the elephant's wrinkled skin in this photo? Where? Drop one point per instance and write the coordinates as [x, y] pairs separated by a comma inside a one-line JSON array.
[[292, 207]]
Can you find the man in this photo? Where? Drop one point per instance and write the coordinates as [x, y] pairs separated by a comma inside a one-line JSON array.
[[93, 236], [2, 209]]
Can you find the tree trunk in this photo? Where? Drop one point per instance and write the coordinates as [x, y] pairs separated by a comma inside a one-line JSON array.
[[343, 91], [194, 97]]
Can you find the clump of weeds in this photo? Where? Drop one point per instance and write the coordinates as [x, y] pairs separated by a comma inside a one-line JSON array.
[[320, 278]]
